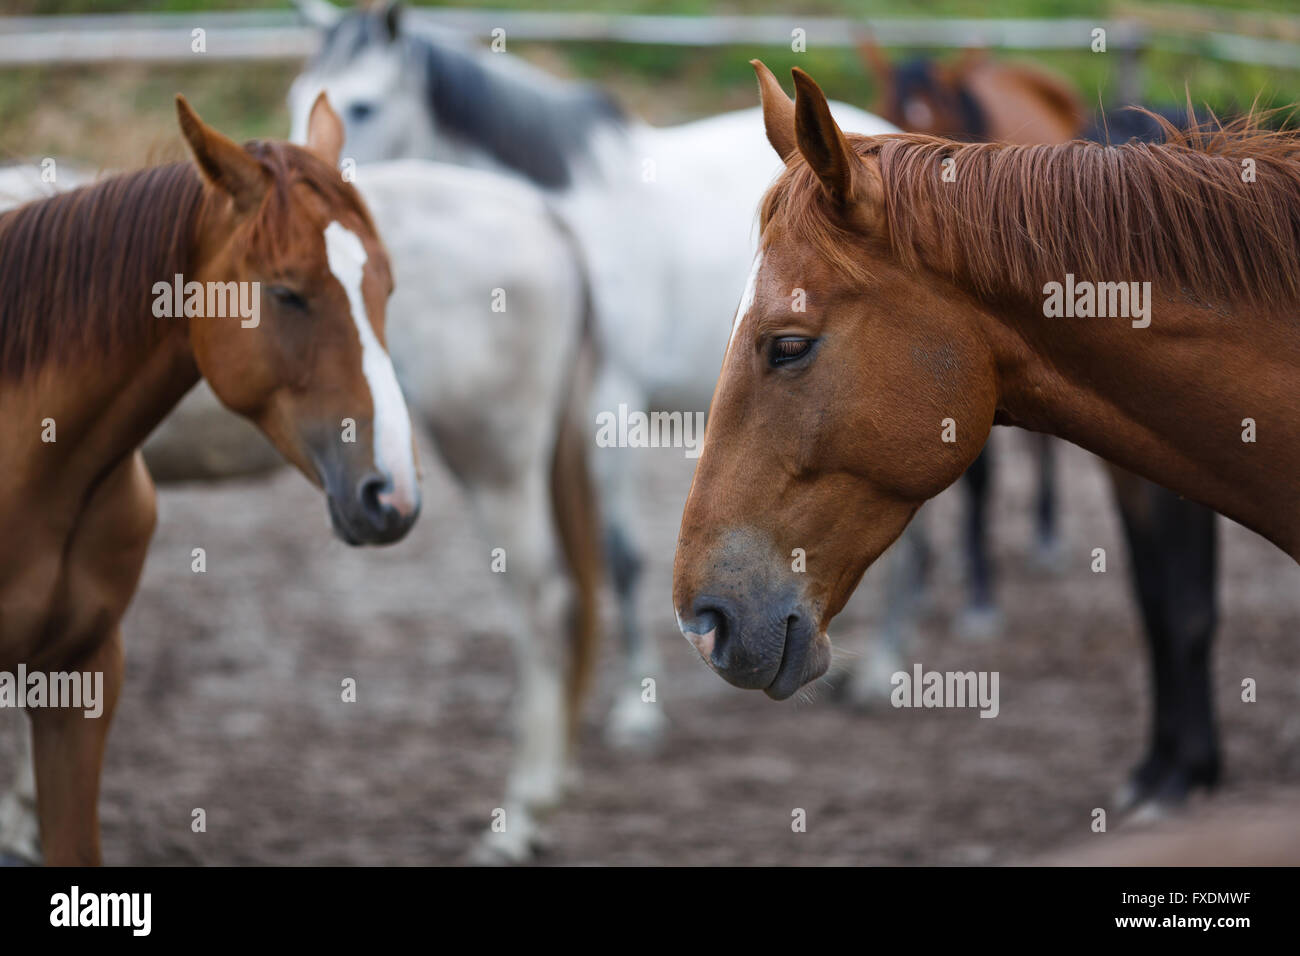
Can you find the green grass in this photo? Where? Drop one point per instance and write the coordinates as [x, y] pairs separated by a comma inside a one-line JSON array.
[[847, 8], [120, 115]]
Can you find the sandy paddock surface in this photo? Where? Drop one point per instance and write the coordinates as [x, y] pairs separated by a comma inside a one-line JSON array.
[[232, 701]]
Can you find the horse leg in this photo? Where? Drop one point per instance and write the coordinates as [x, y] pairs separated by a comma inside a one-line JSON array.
[[632, 723], [980, 618], [20, 829], [101, 568], [1048, 552], [518, 520], [1173, 546], [69, 749]]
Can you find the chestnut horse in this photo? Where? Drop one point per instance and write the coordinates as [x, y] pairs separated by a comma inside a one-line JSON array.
[[925, 302], [1172, 541], [89, 364], [973, 98]]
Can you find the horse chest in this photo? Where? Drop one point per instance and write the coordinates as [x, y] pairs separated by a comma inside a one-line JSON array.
[[65, 585]]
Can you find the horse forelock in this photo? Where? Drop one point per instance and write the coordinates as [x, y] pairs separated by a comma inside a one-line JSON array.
[[276, 222], [1179, 214]]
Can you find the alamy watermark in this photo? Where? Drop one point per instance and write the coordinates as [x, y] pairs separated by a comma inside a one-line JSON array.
[[923, 688], [133, 911], [638, 429], [213, 300], [76, 689], [1102, 300]]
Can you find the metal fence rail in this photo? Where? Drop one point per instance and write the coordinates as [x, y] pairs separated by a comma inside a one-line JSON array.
[[271, 35]]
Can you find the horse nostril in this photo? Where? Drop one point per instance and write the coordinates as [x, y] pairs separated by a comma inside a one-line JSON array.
[[706, 631], [369, 494]]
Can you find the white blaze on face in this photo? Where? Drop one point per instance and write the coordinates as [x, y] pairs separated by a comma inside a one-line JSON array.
[[747, 299], [392, 422]]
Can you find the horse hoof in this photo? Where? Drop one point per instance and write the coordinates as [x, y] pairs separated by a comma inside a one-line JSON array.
[[544, 791], [509, 848], [1136, 809], [1151, 811], [635, 725]]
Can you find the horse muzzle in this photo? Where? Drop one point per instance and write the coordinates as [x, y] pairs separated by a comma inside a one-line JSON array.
[[775, 648], [369, 512]]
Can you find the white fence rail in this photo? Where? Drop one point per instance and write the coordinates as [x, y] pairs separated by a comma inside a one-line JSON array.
[[271, 35]]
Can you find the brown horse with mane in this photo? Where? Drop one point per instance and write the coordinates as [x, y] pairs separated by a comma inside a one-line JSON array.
[[90, 363], [973, 99], [926, 301], [976, 98], [1172, 541]]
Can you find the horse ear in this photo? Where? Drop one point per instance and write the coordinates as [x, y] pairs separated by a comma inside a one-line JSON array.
[[854, 184], [222, 162], [392, 18], [325, 130], [778, 112], [820, 140], [318, 13]]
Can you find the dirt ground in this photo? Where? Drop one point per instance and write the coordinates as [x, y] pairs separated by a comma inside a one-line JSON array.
[[232, 701]]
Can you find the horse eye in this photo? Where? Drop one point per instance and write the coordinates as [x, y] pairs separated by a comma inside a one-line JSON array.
[[789, 349], [360, 111], [287, 297]]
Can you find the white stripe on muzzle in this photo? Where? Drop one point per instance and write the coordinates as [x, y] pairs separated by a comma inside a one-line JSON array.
[[392, 421]]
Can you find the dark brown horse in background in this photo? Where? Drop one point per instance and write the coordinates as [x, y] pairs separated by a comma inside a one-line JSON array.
[[1172, 541], [975, 98], [89, 365], [925, 300]]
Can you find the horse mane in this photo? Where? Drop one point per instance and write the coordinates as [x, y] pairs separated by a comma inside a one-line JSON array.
[[79, 267], [522, 117], [1177, 213], [528, 120]]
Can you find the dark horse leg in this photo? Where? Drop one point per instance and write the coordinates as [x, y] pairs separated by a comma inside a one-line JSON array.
[[1047, 544], [980, 616], [1173, 548]]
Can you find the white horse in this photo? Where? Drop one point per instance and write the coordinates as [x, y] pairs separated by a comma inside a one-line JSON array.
[[482, 261], [479, 260], [665, 218]]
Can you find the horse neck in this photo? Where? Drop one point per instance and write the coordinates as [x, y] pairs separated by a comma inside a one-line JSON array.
[[1166, 401]]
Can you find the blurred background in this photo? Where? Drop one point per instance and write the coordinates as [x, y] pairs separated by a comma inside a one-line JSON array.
[[95, 90], [231, 698]]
